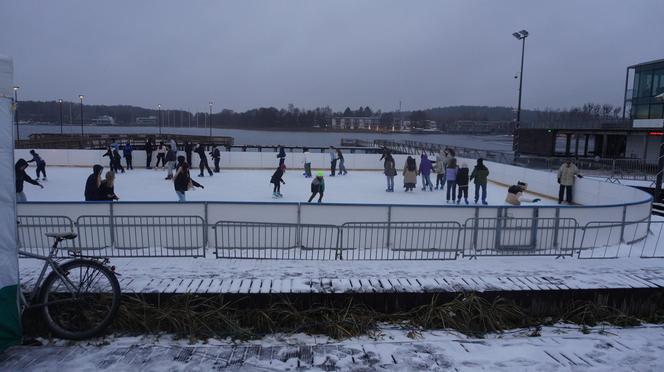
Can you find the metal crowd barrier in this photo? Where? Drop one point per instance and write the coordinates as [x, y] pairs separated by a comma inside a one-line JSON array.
[[508, 236], [644, 238], [118, 236]]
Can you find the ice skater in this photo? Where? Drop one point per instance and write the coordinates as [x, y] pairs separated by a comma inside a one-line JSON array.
[[333, 161], [440, 171], [117, 162], [107, 187], [515, 196], [188, 150], [161, 155], [410, 174], [462, 183], [317, 187], [40, 163], [183, 181], [109, 153], [203, 164], [216, 158], [149, 147], [277, 179], [425, 172], [21, 176], [480, 176], [390, 170], [306, 160], [281, 155], [566, 176], [92, 183], [170, 158], [127, 154], [451, 177], [342, 166]]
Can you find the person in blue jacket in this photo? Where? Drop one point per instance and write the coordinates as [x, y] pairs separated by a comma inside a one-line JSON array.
[[126, 153]]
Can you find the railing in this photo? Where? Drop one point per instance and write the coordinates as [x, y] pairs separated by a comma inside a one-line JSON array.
[[416, 147], [644, 239]]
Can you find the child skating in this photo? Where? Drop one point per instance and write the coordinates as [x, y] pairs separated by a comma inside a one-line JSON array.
[[277, 179], [317, 187]]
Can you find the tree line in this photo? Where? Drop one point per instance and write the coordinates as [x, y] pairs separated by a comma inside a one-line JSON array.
[[298, 118]]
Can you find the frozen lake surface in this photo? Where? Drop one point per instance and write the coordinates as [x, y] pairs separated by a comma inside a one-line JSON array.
[[68, 184]]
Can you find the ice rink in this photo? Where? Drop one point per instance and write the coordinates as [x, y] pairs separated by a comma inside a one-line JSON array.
[[68, 184]]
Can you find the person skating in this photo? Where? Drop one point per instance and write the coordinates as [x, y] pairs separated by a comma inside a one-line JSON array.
[[170, 158], [181, 160], [333, 161], [384, 151], [21, 177], [109, 153], [425, 172], [317, 187], [92, 183], [40, 163], [117, 162], [203, 164], [149, 147], [515, 196], [341, 162], [188, 150], [216, 157], [174, 146], [107, 187], [390, 170], [183, 181], [277, 179], [480, 177], [410, 174], [451, 177], [440, 171], [115, 145], [127, 154], [462, 183], [306, 160], [161, 155], [281, 155], [567, 174]]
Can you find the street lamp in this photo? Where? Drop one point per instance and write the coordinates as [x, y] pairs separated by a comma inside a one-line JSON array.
[[80, 97], [660, 163], [60, 102], [210, 104], [159, 118], [16, 88], [521, 35]]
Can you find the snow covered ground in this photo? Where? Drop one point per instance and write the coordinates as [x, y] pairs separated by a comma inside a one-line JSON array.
[[557, 348], [68, 184]]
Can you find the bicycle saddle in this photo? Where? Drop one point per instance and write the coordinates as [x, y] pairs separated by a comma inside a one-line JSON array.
[[62, 235]]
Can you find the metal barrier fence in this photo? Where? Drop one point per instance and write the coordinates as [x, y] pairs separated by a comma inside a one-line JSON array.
[[117, 236], [507, 236], [644, 238]]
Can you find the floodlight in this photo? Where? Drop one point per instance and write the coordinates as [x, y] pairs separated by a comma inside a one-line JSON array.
[[517, 35], [524, 33]]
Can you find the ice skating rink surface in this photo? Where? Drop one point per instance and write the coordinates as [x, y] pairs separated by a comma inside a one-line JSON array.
[[68, 184]]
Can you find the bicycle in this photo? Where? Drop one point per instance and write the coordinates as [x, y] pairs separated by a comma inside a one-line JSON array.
[[79, 298]]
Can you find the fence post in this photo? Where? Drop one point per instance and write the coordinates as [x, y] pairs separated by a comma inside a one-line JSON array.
[[476, 227], [111, 223], [207, 226], [299, 226], [389, 224], [556, 226], [497, 234], [533, 228], [622, 225]]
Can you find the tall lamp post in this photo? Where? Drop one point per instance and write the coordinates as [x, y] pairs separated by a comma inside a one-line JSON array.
[[159, 117], [521, 35], [80, 97], [16, 111], [60, 104], [210, 104], [660, 163]]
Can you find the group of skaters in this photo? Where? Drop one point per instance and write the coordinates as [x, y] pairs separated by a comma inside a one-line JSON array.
[[450, 176]]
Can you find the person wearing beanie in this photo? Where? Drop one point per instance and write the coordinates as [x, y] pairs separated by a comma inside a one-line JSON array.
[[306, 160], [462, 183], [425, 172], [92, 184], [317, 187], [480, 177], [21, 176], [390, 170], [277, 179]]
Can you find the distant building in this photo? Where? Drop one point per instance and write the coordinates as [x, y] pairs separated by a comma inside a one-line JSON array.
[[103, 120], [479, 127], [640, 105], [368, 123], [147, 120]]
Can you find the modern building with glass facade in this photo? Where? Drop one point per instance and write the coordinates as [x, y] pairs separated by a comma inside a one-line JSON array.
[[647, 81]]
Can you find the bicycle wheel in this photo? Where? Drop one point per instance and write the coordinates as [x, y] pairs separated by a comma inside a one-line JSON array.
[[86, 309]]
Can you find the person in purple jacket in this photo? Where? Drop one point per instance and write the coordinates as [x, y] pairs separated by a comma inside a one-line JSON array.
[[451, 177], [425, 172]]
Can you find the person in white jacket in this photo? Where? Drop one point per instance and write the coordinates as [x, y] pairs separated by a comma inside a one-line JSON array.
[[306, 160], [566, 176]]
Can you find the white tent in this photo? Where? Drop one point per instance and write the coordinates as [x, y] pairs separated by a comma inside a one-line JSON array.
[[10, 322]]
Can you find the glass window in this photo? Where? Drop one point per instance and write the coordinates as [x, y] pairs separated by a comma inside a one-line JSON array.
[[561, 144], [636, 84], [641, 111], [658, 82], [656, 111], [645, 84]]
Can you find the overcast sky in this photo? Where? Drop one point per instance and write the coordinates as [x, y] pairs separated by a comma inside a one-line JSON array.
[[245, 54]]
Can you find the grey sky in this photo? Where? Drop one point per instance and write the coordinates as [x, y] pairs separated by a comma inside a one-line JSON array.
[[247, 54]]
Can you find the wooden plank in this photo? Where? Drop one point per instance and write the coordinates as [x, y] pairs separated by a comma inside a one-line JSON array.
[[255, 286], [245, 285]]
